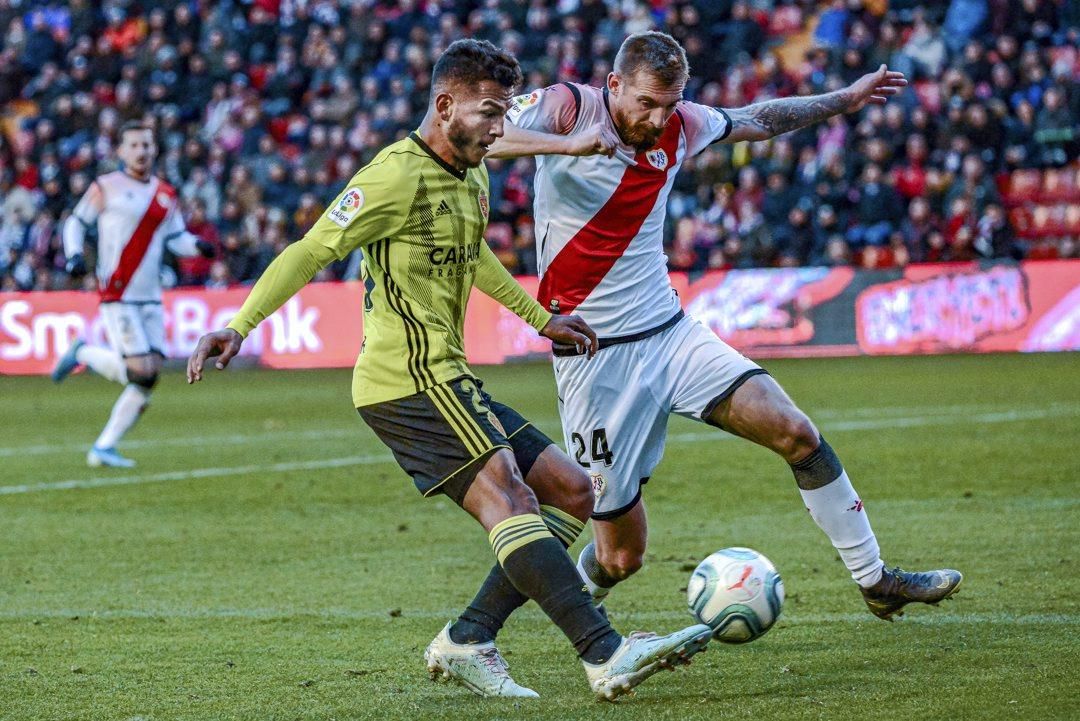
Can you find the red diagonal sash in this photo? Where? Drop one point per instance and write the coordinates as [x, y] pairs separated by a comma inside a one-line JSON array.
[[593, 251], [133, 253]]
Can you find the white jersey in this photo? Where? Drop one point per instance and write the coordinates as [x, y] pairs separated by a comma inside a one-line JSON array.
[[136, 221], [599, 220]]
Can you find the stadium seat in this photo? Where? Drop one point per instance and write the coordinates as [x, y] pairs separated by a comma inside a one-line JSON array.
[[1021, 221], [1059, 185], [1072, 219], [1048, 221], [929, 94], [785, 21], [1023, 187]]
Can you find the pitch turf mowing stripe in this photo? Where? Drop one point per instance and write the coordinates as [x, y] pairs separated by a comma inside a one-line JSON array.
[[837, 426], [919, 617], [196, 473]]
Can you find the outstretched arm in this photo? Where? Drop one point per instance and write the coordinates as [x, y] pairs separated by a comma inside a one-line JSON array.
[[762, 121], [518, 142], [494, 281], [289, 272]]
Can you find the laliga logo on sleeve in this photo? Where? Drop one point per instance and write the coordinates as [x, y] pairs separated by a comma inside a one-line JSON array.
[[347, 208], [657, 158], [522, 103]]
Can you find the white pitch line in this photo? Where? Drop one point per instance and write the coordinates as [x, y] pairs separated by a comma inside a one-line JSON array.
[[869, 418], [938, 617], [235, 439], [871, 424], [102, 481], [711, 436]]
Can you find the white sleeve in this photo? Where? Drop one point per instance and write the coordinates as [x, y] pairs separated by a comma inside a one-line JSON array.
[[82, 217], [703, 126], [177, 237], [553, 109]]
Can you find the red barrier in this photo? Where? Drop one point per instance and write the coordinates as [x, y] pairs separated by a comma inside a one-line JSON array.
[[765, 313]]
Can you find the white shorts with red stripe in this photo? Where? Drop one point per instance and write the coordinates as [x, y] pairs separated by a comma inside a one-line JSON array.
[[615, 407], [134, 328]]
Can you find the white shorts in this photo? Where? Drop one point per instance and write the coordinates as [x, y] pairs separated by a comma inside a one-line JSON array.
[[615, 407], [134, 328]]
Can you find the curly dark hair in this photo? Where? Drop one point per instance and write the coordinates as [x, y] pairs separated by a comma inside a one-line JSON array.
[[473, 61]]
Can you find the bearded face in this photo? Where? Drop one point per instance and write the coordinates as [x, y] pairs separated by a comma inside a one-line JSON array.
[[641, 105]]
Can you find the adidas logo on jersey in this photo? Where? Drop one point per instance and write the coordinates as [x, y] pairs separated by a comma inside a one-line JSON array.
[[444, 209]]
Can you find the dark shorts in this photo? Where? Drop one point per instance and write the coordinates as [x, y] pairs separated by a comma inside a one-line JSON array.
[[443, 436]]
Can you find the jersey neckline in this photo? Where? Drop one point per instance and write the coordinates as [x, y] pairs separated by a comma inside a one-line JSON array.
[[459, 174]]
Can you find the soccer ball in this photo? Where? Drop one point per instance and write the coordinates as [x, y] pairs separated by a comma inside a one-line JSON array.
[[737, 593]]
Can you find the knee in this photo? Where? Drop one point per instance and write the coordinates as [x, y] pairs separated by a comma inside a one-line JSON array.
[[143, 378], [797, 437], [521, 499], [620, 563], [577, 494], [517, 496]]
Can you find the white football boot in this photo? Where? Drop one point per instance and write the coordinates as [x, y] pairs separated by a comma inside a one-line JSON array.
[[98, 457], [478, 667], [641, 655]]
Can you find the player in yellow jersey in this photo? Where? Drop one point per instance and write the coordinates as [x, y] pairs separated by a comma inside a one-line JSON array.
[[419, 211]]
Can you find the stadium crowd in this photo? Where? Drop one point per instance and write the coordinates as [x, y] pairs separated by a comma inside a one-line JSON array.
[[264, 108]]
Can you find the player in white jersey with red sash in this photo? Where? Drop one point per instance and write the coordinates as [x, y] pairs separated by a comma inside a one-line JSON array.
[[137, 216], [599, 230]]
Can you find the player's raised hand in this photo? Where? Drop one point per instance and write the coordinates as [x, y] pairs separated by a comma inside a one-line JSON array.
[[875, 88], [222, 343], [571, 330], [597, 140]]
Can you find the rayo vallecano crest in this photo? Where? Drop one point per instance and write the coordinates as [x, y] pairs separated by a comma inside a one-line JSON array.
[[657, 158], [599, 484]]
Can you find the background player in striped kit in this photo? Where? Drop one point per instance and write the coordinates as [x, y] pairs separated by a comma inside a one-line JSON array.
[[137, 217]]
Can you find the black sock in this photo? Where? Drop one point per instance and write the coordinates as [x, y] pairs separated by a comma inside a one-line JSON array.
[[538, 566], [482, 620], [596, 573], [818, 469], [497, 597]]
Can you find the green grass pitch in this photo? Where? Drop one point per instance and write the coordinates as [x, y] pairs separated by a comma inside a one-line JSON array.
[[267, 560]]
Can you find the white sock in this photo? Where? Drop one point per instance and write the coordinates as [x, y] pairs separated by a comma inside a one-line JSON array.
[[837, 510], [106, 363], [127, 409]]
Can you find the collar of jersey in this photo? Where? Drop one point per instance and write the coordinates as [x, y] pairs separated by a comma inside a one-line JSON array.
[[415, 137], [612, 119]]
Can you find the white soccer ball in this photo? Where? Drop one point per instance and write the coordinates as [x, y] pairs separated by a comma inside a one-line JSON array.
[[737, 593]]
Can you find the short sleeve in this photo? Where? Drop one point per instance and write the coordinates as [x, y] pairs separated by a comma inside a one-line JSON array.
[[553, 109], [174, 222], [703, 126], [371, 207], [86, 211]]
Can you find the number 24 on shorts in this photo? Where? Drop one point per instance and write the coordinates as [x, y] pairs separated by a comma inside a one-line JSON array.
[[600, 451]]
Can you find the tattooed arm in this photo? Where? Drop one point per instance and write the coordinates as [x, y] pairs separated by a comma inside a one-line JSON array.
[[762, 121]]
